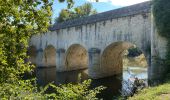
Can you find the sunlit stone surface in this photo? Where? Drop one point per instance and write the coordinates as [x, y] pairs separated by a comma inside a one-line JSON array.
[[100, 42]]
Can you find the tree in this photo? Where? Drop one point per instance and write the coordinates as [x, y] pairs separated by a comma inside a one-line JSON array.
[[70, 3], [20, 19], [64, 15], [85, 10], [80, 11], [161, 11]]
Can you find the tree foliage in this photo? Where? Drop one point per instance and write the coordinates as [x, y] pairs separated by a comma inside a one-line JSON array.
[[77, 12], [69, 2], [24, 90], [80, 91], [161, 11], [20, 19], [134, 52]]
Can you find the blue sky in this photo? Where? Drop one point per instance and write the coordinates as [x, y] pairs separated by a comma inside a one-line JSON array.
[[101, 6]]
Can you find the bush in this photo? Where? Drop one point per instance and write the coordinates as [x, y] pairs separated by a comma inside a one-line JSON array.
[[23, 90], [19, 20], [134, 52]]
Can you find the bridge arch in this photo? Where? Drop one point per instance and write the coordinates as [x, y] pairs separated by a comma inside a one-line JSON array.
[[112, 58], [49, 56], [32, 53], [76, 57]]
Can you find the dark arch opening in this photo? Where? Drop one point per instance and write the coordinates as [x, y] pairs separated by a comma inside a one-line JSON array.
[[50, 56], [76, 57]]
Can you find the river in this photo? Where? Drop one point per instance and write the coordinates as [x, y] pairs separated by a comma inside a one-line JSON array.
[[114, 84]]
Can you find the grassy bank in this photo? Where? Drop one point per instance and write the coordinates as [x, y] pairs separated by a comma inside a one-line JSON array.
[[160, 92]]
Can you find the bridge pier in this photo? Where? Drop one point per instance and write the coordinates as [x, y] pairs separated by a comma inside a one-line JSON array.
[[94, 69], [60, 59], [158, 54], [39, 58]]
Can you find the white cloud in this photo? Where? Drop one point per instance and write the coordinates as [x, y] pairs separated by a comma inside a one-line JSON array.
[[120, 2]]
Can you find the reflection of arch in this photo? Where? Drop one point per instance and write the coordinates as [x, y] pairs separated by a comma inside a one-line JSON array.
[[111, 61], [50, 56], [32, 54], [76, 57]]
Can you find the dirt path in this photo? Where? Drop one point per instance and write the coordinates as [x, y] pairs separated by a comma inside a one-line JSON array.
[[164, 97]]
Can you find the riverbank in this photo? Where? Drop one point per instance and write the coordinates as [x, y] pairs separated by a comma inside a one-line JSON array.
[[135, 61], [160, 92]]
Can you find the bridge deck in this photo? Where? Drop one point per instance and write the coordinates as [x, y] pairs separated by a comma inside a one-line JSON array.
[[112, 14]]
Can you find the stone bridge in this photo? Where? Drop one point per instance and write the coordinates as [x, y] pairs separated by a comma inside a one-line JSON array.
[[98, 42]]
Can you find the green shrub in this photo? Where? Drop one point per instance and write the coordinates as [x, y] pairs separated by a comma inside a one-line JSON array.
[[133, 52], [80, 91], [24, 90]]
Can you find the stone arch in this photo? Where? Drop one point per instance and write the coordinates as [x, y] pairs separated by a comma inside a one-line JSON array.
[[50, 56], [76, 57], [32, 53], [112, 58]]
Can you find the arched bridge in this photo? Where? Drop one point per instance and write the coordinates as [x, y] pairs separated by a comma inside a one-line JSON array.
[[99, 41]]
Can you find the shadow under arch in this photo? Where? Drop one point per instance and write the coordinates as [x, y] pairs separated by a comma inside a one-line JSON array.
[[112, 57], [76, 57], [50, 56], [32, 53]]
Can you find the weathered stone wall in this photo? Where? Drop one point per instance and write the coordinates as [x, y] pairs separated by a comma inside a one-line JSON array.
[[158, 52], [131, 24]]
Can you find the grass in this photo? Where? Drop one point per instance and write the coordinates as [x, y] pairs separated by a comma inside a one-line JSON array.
[[161, 92]]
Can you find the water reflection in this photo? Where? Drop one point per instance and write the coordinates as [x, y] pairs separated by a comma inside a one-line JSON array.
[[139, 72], [45, 75], [71, 76], [113, 83]]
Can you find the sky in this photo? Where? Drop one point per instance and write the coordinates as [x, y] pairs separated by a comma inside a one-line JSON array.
[[101, 6]]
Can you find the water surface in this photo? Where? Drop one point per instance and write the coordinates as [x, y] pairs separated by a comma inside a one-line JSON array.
[[114, 84]]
